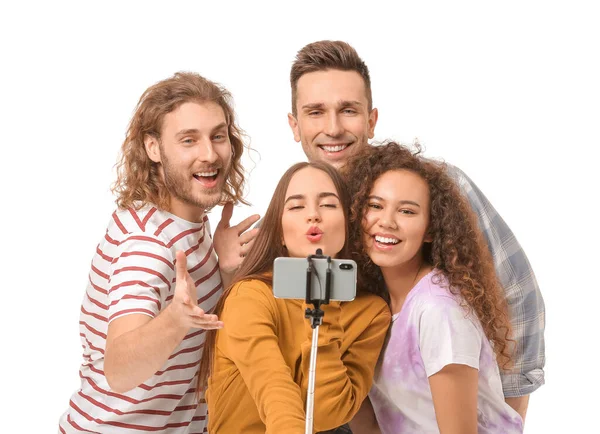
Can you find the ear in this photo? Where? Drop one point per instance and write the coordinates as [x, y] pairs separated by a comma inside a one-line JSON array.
[[293, 122], [428, 237], [372, 122], [152, 148]]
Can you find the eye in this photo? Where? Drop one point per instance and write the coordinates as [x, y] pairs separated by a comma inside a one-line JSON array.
[[375, 206], [219, 137], [329, 205], [314, 113], [188, 141], [349, 111], [295, 207], [406, 211]]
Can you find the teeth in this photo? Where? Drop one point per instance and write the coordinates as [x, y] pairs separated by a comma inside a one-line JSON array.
[[336, 148], [211, 173], [386, 240]]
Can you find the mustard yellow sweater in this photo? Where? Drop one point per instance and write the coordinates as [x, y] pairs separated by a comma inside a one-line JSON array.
[[262, 355]]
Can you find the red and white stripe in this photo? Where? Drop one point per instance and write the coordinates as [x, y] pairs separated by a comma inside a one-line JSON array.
[[133, 272]]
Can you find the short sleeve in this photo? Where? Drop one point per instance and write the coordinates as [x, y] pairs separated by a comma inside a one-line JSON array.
[[447, 335], [141, 276]]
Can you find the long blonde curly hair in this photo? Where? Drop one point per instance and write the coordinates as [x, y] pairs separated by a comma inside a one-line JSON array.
[[138, 178]]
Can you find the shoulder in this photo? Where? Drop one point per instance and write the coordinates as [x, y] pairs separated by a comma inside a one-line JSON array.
[[144, 221], [433, 293], [251, 285], [369, 307], [251, 288], [250, 295]]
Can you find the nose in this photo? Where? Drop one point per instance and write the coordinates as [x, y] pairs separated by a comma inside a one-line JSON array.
[[387, 220], [313, 215], [334, 126], [206, 152]]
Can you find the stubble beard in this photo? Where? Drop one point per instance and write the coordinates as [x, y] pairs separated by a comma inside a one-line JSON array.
[[181, 188]]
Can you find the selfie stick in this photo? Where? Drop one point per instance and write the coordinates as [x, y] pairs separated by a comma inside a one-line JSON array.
[[316, 319]]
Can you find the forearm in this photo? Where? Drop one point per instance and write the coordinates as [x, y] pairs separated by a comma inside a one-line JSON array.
[[134, 356], [454, 392], [520, 405], [365, 422]]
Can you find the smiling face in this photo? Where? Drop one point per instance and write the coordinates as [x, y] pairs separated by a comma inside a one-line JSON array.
[[194, 152], [397, 218], [332, 118], [312, 216]]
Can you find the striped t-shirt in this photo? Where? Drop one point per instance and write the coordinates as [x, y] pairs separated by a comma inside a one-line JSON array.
[[133, 272]]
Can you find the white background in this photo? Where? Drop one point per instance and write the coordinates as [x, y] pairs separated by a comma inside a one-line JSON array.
[[507, 91]]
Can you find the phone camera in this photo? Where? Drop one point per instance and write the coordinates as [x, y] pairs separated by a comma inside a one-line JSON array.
[[346, 266]]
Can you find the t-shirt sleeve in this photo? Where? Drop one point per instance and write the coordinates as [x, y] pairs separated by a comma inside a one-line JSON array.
[[448, 334], [141, 276]]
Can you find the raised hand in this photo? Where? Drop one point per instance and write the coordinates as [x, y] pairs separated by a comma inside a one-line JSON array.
[[184, 306], [232, 243]]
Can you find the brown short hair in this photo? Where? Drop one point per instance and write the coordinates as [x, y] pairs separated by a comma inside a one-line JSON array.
[[324, 55], [138, 180]]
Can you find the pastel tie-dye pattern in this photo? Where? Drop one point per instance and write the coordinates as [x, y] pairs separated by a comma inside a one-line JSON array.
[[431, 331]]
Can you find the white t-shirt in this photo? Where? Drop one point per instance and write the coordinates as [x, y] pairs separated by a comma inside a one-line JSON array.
[[431, 331], [133, 272]]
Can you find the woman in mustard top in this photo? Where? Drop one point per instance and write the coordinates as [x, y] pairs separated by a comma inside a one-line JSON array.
[[258, 363]]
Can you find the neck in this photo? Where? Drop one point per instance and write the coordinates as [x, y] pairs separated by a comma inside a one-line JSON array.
[[185, 211], [402, 278]]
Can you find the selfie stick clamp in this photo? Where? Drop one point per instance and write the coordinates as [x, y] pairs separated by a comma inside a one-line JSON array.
[[316, 319]]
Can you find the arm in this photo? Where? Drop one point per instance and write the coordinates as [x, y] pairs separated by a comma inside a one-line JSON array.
[[454, 393], [343, 380], [137, 345], [451, 343], [250, 341], [526, 305], [519, 405], [364, 421]]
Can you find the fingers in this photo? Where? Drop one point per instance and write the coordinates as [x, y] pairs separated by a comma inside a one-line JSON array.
[[249, 236], [244, 249], [206, 321], [246, 223], [226, 214], [180, 266], [216, 326]]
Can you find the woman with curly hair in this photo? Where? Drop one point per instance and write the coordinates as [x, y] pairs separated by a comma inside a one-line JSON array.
[[418, 245]]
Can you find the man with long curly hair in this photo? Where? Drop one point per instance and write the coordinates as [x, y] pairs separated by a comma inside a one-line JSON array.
[[333, 118], [155, 277]]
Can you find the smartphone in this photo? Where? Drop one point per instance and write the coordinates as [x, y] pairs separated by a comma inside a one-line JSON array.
[[289, 278]]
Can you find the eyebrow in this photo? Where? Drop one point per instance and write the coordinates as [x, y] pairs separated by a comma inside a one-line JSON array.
[[197, 131], [341, 103], [320, 196], [402, 202]]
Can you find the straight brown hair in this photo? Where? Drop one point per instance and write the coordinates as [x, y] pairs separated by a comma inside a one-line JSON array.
[[267, 246]]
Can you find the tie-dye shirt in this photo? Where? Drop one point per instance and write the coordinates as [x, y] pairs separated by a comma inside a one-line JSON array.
[[431, 331]]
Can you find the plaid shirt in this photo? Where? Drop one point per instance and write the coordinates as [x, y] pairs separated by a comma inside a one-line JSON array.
[[526, 306]]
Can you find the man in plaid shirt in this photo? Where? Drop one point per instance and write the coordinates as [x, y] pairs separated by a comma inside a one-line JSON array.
[[332, 117]]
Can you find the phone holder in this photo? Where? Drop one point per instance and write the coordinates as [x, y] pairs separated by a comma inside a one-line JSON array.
[[316, 319], [316, 314]]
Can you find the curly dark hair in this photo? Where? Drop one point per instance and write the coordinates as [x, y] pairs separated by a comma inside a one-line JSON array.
[[458, 248]]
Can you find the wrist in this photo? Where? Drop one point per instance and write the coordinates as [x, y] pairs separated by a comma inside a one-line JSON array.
[[174, 318]]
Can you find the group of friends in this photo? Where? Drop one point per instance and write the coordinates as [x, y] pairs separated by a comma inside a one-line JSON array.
[[181, 331]]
